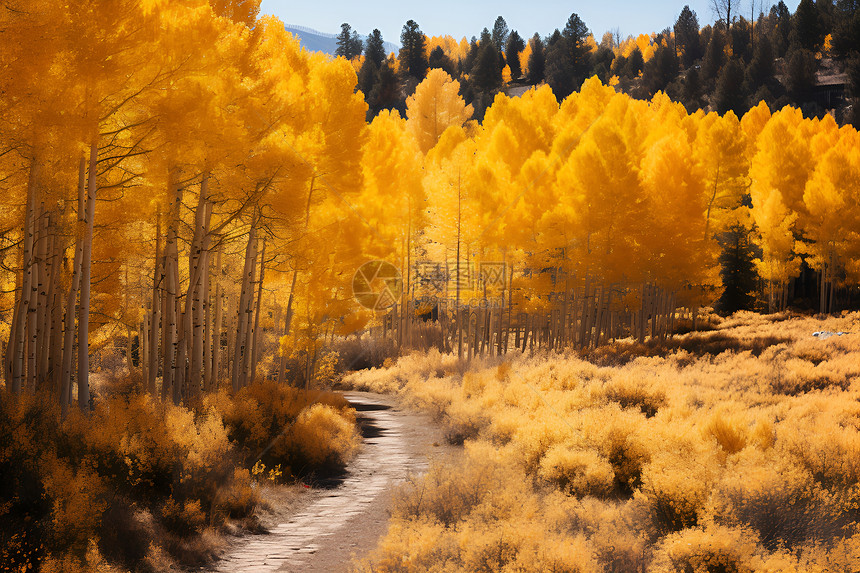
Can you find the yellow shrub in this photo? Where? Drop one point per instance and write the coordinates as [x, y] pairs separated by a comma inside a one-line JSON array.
[[729, 435], [706, 549], [578, 472], [323, 439]]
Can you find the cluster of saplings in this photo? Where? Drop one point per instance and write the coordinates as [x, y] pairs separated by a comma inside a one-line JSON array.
[[732, 65]]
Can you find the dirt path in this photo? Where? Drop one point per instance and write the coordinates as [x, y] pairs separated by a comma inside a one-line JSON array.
[[347, 518]]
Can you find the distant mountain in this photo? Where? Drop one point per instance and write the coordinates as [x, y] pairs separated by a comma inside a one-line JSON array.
[[316, 41]]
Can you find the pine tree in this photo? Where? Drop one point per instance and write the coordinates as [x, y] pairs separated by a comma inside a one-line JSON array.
[[386, 91], [500, 33], [374, 48], [487, 73], [413, 61], [687, 37], [800, 74], [715, 57], [513, 48], [348, 42], [782, 28], [807, 26], [661, 69], [439, 60], [729, 94], [737, 270], [760, 71], [846, 27], [537, 61]]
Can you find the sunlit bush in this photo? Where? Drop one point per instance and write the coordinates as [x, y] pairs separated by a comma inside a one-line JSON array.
[[322, 439], [303, 432], [139, 482]]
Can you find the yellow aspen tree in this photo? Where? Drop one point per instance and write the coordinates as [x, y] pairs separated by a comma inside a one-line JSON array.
[[831, 226], [779, 171], [435, 106]]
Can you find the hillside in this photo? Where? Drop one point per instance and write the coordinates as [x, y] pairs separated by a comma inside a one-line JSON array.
[[316, 41]]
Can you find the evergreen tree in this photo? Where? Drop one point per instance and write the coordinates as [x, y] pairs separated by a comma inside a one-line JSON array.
[[367, 77], [603, 62], [729, 95], [692, 93], [782, 29], [386, 91], [576, 34], [568, 58], [513, 48], [559, 71], [486, 73], [737, 270], [348, 42], [741, 40], [413, 62], [846, 27], [800, 74], [439, 60], [469, 62], [500, 33], [853, 70], [635, 63], [537, 61], [687, 37], [807, 26], [760, 71], [661, 69], [374, 48], [715, 57]]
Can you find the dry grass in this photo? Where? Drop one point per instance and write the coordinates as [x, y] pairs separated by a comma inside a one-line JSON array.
[[736, 449]]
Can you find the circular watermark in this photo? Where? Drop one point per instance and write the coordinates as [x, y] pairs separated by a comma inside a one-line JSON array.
[[377, 285]]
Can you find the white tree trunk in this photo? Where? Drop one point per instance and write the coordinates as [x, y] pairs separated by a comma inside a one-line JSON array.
[[244, 308], [71, 297], [255, 336], [155, 317], [216, 330], [86, 284]]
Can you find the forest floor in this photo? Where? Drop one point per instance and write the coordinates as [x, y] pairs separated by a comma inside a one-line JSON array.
[[325, 527]]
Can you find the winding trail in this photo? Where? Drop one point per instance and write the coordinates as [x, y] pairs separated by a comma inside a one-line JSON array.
[[351, 514]]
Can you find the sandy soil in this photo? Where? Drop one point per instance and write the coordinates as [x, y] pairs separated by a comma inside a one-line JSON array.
[[326, 527]]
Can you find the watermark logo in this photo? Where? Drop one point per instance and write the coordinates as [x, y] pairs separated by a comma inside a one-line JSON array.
[[377, 285], [437, 277]]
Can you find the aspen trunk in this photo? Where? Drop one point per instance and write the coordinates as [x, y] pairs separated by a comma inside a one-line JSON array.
[[171, 383], [33, 306], [244, 303], [282, 370], [43, 314], [255, 349], [248, 353], [11, 346], [216, 348], [128, 331], [18, 337], [155, 317], [56, 319], [206, 339], [195, 295], [86, 284], [71, 297]]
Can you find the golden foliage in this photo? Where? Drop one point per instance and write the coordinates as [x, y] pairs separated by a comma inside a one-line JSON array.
[[697, 460]]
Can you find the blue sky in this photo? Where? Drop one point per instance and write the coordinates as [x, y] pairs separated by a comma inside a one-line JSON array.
[[462, 18]]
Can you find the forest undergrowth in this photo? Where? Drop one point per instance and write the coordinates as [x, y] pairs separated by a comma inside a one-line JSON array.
[[731, 450], [144, 485]]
